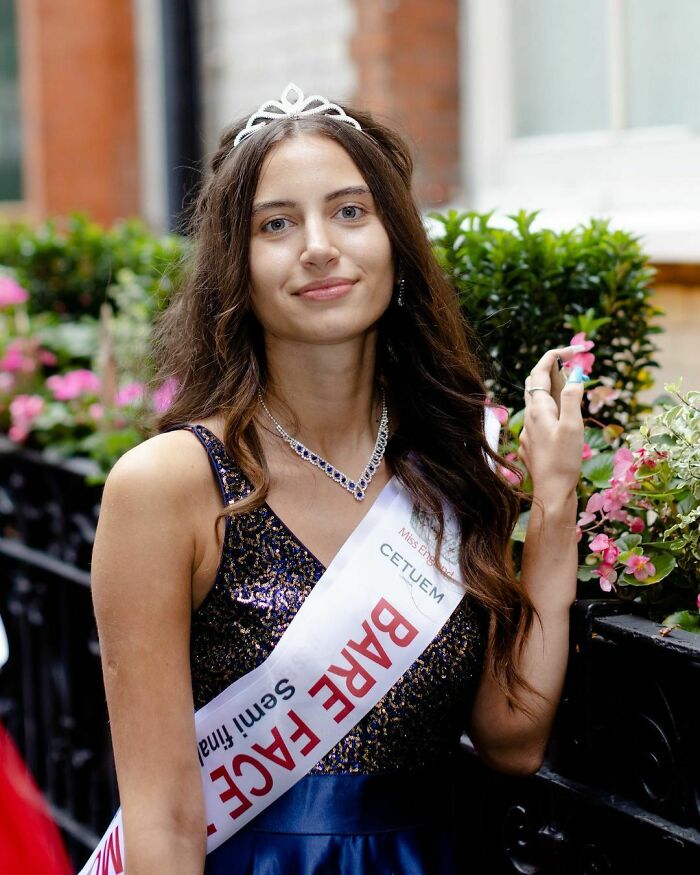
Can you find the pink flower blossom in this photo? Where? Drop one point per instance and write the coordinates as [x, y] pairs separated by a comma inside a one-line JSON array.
[[640, 566], [510, 476], [16, 357], [698, 601], [7, 383], [46, 357], [584, 360], [611, 554], [129, 393], [601, 396], [96, 411], [501, 412], [637, 525], [73, 384], [607, 575], [24, 409], [594, 506], [614, 498], [624, 466], [164, 394], [600, 543], [11, 292], [649, 458], [587, 452]]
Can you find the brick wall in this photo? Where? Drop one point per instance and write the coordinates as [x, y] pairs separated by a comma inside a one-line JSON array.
[[78, 107], [407, 57]]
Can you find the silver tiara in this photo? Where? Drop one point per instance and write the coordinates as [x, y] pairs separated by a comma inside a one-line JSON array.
[[293, 104]]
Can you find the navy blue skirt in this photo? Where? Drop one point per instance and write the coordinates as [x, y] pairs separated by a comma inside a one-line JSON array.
[[388, 824]]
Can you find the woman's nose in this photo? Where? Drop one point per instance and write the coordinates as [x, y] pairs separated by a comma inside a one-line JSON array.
[[319, 247]]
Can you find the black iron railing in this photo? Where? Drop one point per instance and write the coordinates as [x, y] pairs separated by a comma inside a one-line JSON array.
[[51, 692]]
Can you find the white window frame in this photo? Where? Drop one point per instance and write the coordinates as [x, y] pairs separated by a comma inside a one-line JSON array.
[[646, 180]]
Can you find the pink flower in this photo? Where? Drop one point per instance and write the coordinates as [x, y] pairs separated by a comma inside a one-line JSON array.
[[129, 393], [46, 357], [594, 506], [698, 601], [164, 394], [600, 543], [637, 525], [73, 384], [501, 412], [511, 477], [11, 292], [587, 452], [16, 358], [24, 409], [96, 411], [585, 360], [624, 466], [7, 383], [601, 396], [607, 576], [640, 566], [611, 555], [614, 498], [647, 458]]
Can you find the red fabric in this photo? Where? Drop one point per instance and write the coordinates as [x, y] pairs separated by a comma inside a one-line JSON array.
[[30, 844]]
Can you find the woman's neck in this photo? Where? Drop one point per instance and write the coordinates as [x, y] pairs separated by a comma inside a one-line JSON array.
[[330, 389]]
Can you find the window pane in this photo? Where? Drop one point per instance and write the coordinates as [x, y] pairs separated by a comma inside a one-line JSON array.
[[560, 66], [10, 139], [663, 63]]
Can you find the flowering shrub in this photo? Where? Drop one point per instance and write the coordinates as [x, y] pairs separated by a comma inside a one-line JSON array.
[[59, 383], [642, 522], [639, 496]]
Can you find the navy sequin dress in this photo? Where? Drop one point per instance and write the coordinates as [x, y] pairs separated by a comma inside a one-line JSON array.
[[378, 802]]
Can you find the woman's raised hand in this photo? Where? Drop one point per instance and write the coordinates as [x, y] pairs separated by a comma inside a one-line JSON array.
[[551, 442]]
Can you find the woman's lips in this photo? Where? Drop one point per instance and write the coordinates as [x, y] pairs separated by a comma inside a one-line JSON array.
[[328, 293]]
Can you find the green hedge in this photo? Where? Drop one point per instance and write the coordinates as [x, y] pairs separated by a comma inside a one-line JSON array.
[[526, 291], [68, 265]]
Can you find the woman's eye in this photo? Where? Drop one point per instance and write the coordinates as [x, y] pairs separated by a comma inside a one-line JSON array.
[[351, 212], [275, 225]]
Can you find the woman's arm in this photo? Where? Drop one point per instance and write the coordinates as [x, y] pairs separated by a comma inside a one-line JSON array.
[[141, 582], [551, 446]]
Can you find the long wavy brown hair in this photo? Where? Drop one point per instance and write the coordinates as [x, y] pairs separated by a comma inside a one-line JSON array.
[[209, 341]]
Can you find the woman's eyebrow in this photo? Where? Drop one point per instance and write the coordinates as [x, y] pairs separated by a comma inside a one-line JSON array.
[[341, 192]]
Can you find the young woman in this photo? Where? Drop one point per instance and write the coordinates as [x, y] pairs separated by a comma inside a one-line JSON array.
[[314, 315]]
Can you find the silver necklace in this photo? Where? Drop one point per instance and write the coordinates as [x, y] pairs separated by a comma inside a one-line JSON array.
[[358, 487]]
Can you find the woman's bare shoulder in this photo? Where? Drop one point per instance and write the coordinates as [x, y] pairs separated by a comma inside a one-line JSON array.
[[173, 461]]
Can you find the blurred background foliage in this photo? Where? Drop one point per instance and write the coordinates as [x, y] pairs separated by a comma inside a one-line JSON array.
[[527, 291]]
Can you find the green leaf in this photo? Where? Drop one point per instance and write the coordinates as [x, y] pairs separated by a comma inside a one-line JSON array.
[[521, 527], [516, 423], [687, 620], [672, 546], [599, 469], [628, 542]]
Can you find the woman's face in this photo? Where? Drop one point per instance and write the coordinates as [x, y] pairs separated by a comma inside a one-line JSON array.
[[315, 220]]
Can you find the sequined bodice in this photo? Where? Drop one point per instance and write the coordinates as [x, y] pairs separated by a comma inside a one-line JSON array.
[[264, 576]]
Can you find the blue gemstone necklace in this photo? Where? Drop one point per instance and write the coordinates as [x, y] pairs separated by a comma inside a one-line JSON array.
[[358, 487]]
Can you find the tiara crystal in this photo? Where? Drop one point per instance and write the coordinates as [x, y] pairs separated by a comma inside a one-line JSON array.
[[293, 104]]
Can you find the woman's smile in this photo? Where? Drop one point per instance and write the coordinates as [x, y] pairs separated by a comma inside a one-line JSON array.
[[327, 292]]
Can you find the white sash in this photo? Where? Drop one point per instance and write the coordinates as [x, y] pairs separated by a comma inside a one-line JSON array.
[[370, 616]]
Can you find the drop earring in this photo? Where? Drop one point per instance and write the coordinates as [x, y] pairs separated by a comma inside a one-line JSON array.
[[402, 288]]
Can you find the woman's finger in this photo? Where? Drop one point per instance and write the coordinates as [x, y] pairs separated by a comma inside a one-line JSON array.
[[539, 375], [571, 398]]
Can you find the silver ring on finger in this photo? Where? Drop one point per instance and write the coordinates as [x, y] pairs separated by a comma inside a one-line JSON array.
[[536, 389]]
